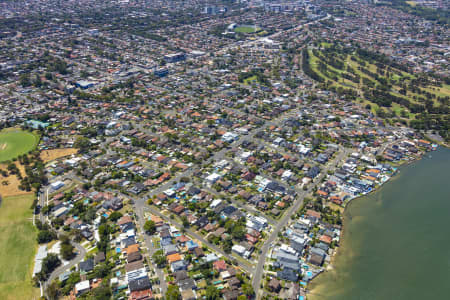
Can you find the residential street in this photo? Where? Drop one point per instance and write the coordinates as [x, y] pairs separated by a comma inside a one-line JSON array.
[[205, 149], [80, 254], [151, 250], [268, 244]]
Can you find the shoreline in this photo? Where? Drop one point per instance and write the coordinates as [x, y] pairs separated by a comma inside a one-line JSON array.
[[330, 266]]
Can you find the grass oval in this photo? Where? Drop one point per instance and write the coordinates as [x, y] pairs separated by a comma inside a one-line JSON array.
[[15, 142]]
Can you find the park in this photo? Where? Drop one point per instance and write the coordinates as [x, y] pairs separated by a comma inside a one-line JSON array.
[[15, 142], [247, 29], [17, 248], [17, 233]]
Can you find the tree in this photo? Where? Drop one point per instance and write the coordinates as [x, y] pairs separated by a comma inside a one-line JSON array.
[[227, 245], [49, 264], [66, 251], [77, 236], [102, 270], [45, 236], [48, 76], [104, 231], [173, 293], [25, 80], [103, 292], [102, 245], [57, 222], [159, 258], [238, 232], [73, 279], [53, 291], [248, 289], [115, 216], [82, 144], [37, 81], [150, 227], [206, 273], [212, 293], [185, 221]]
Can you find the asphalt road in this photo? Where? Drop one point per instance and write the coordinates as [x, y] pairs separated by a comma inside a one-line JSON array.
[[274, 35], [257, 277], [245, 266], [244, 206], [151, 249], [141, 204], [81, 253]]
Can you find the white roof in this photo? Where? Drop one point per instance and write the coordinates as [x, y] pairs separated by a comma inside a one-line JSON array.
[[225, 274], [267, 41], [238, 248], [60, 211], [213, 177], [57, 184], [169, 192], [265, 182], [287, 173], [260, 219], [136, 274], [246, 154], [230, 135], [288, 249], [215, 203], [83, 285]]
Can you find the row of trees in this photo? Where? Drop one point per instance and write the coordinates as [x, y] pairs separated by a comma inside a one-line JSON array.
[[45, 234], [104, 231], [307, 67]]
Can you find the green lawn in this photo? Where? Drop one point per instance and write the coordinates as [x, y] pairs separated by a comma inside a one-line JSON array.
[[397, 75], [250, 80], [15, 142], [17, 248], [246, 29]]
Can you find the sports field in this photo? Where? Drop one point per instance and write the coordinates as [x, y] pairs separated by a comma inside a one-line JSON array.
[[246, 29], [17, 248], [15, 142]]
